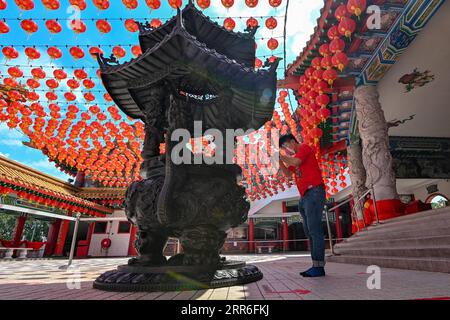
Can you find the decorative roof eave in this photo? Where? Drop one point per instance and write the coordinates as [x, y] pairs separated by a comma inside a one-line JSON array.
[[16, 174], [228, 40], [102, 193], [325, 12]]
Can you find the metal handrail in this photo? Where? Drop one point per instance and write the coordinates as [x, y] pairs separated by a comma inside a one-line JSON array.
[[353, 214]]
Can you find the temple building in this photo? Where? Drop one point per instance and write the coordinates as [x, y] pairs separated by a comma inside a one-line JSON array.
[[384, 139]]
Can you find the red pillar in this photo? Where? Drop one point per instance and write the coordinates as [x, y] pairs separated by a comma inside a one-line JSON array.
[[52, 237], [285, 228], [18, 230], [89, 236], [285, 234], [251, 235], [63, 230], [337, 213], [131, 249]]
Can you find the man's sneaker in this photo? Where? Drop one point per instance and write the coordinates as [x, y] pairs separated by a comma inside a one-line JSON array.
[[314, 272]]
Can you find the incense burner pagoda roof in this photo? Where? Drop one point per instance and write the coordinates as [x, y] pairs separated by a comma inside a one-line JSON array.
[[180, 55], [235, 45]]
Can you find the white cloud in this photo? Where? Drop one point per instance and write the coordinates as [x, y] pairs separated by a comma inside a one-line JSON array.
[[6, 155]]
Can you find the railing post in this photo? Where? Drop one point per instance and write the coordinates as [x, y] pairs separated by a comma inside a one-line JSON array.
[[329, 230], [372, 193], [74, 240]]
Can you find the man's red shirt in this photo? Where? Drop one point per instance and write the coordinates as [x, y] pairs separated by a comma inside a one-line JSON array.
[[307, 174]]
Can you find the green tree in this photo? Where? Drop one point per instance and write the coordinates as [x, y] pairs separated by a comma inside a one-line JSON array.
[[7, 225]]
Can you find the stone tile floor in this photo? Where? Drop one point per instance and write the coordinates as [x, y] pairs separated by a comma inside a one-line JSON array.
[[42, 280]]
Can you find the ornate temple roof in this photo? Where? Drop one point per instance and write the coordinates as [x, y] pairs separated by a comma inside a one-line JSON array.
[[16, 174], [101, 193], [180, 55], [235, 45]]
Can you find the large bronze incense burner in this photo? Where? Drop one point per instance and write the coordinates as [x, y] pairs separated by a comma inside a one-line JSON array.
[[191, 70]]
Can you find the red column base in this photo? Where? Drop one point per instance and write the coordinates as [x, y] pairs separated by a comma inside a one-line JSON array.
[[387, 209]]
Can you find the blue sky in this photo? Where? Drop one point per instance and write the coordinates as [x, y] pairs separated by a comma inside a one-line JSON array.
[[302, 17]]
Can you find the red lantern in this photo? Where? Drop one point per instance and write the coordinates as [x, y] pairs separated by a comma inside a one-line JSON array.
[[38, 73], [78, 26], [10, 82], [155, 23], [271, 23], [324, 50], [131, 25], [95, 50], [101, 4], [32, 53], [89, 97], [53, 26], [107, 97], [73, 84], [4, 28], [337, 45], [29, 26], [356, 7], [323, 100], [175, 3], [251, 3], [119, 52], [321, 87], [51, 4], [136, 50], [76, 53], [229, 24], [81, 4], [25, 4], [330, 76], [340, 61], [346, 27], [60, 74], [275, 3], [204, 4], [54, 53], [15, 72], [80, 74], [103, 26], [341, 12], [88, 84], [51, 96], [130, 4], [3, 4], [227, 3], [326, 62], [52, 83], [252, 23], [32, 96], [272, 44], [70, 96], [258, 63], [153, 4], [33, 83], [323, 114], [315, 63], [333, 33]]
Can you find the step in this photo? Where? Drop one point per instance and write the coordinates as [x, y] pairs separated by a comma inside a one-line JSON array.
[[419, 252], [419, 215], [441, 219], [423, 264], [417, 231], [413, 241]]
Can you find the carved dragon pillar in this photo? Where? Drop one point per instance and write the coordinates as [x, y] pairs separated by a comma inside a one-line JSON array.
[[357, 173], [376, 157]]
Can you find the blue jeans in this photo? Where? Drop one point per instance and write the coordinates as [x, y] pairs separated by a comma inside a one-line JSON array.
[[310, 207]]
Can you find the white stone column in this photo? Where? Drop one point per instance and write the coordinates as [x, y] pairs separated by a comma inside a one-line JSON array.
[[373, 131], [357, 174]]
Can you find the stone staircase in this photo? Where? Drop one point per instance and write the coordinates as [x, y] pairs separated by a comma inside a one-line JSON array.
[[419, 241]]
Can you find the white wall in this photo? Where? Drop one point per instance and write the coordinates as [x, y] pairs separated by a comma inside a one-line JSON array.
[[418, 187], [119, 241]]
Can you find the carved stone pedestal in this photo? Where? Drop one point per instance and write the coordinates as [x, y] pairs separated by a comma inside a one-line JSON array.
[[177, 278]]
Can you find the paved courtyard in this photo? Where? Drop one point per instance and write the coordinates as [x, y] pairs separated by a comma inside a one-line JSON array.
[[43, 280]]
